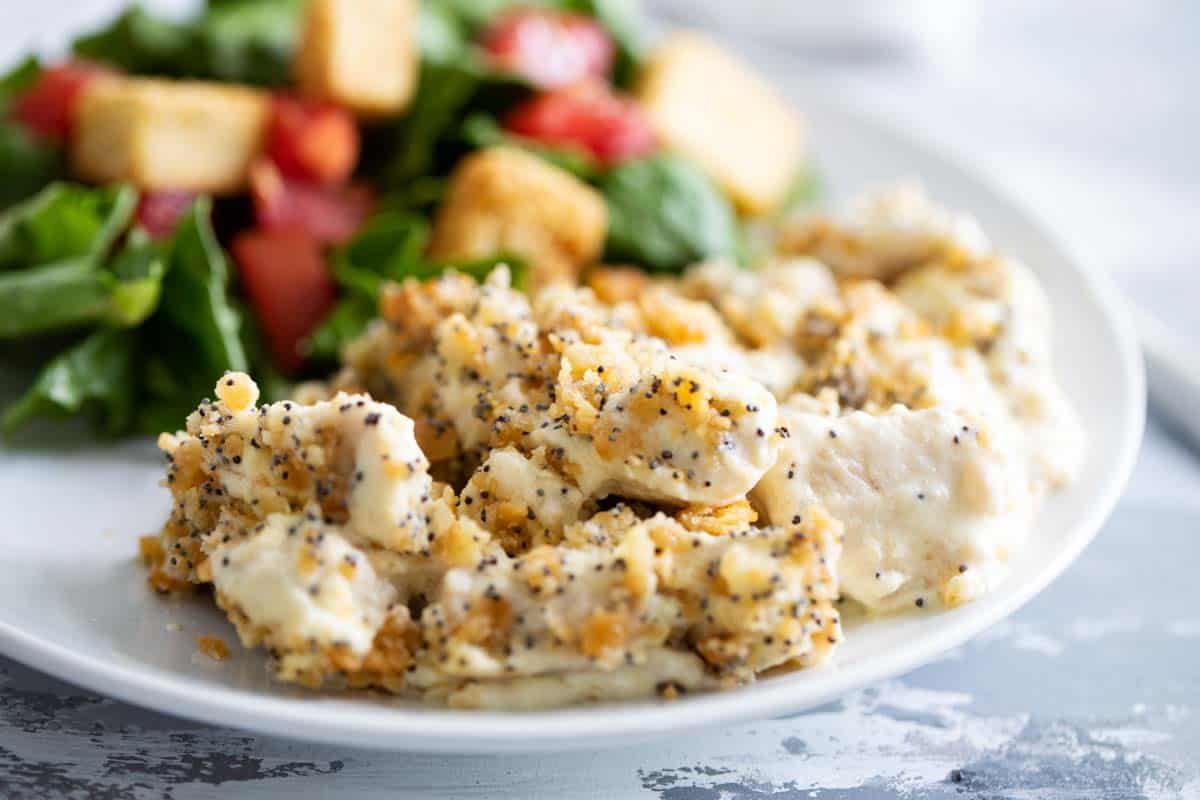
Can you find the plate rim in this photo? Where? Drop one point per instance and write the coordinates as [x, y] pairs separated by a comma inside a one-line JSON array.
[[435, 730]]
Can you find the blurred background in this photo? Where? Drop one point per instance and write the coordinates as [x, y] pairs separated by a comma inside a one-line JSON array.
[[1085, 112]]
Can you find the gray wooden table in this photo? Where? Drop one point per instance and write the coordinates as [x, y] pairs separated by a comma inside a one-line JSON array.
[[1092, 691]]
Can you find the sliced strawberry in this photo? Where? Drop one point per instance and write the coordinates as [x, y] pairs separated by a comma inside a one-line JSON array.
[[46, 107], [312, 141], [549, 48], [328, 214], [587, 116], [158, 212], [290, 289]]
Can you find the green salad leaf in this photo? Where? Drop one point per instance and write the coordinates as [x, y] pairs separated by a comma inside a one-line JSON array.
[[240, 41], [441, 34], [345, 323], [26, 162], [665, 213], [248, 41], [139, 43], [64, 221], [481, 129], [17, 79], [391, 247], [195, 297], [96, 377], [410, 146], [73, 293]]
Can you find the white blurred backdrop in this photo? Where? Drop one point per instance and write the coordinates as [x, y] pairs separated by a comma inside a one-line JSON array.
[[1088, 111]]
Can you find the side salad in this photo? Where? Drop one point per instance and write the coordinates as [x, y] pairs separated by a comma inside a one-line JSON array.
[[229, 192]]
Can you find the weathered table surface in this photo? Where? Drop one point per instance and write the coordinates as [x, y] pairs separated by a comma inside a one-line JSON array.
[[1092, 691]]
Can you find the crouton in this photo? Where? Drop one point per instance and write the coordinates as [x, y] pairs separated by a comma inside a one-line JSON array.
[[505, 201], [160, 134], [705, 103], [360, 54]]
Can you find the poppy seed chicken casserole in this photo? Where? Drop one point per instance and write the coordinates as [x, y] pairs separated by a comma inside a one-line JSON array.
[[656, 486]]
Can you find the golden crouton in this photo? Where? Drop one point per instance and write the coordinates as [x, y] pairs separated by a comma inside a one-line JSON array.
[[360, 54], [505, 201], [707, 104], [160, 134]]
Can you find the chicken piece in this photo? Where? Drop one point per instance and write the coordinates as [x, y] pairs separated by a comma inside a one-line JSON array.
[[933, 503], [885, 233], [778, 369], [521, 500], [352, 458], [361, 54], [982, 304], [875, 352], [300, 588], [159, 134], [615, 411], [504, 201], [707, 104], [665, 672], [747, 601], [997, 307], [768, 306]]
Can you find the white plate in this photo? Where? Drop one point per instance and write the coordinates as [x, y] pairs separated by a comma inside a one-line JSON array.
[[73, 601]]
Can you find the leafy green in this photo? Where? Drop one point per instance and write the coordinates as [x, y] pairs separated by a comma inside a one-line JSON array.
[[64, 221], [17, 79], [197, 334], [96, 376], [241, 41], [195, 299], [480, 130], [53, 248], [391, 247], [665, 213], [248, 41], [26, 162], [140, 43], [441, 34], [73, 293], [345, 323], [411, 145]]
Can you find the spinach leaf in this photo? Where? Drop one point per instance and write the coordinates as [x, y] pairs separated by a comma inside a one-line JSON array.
[[195, 300], [197, 334], [96, 376], [140, 43], [64, 221], [345, 323], [26, 162], [441, 34], [73, 293], [240, 41], [480, 130], [391, 247], [665, 214], [17, 79], [248, 41], [411, 145]]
